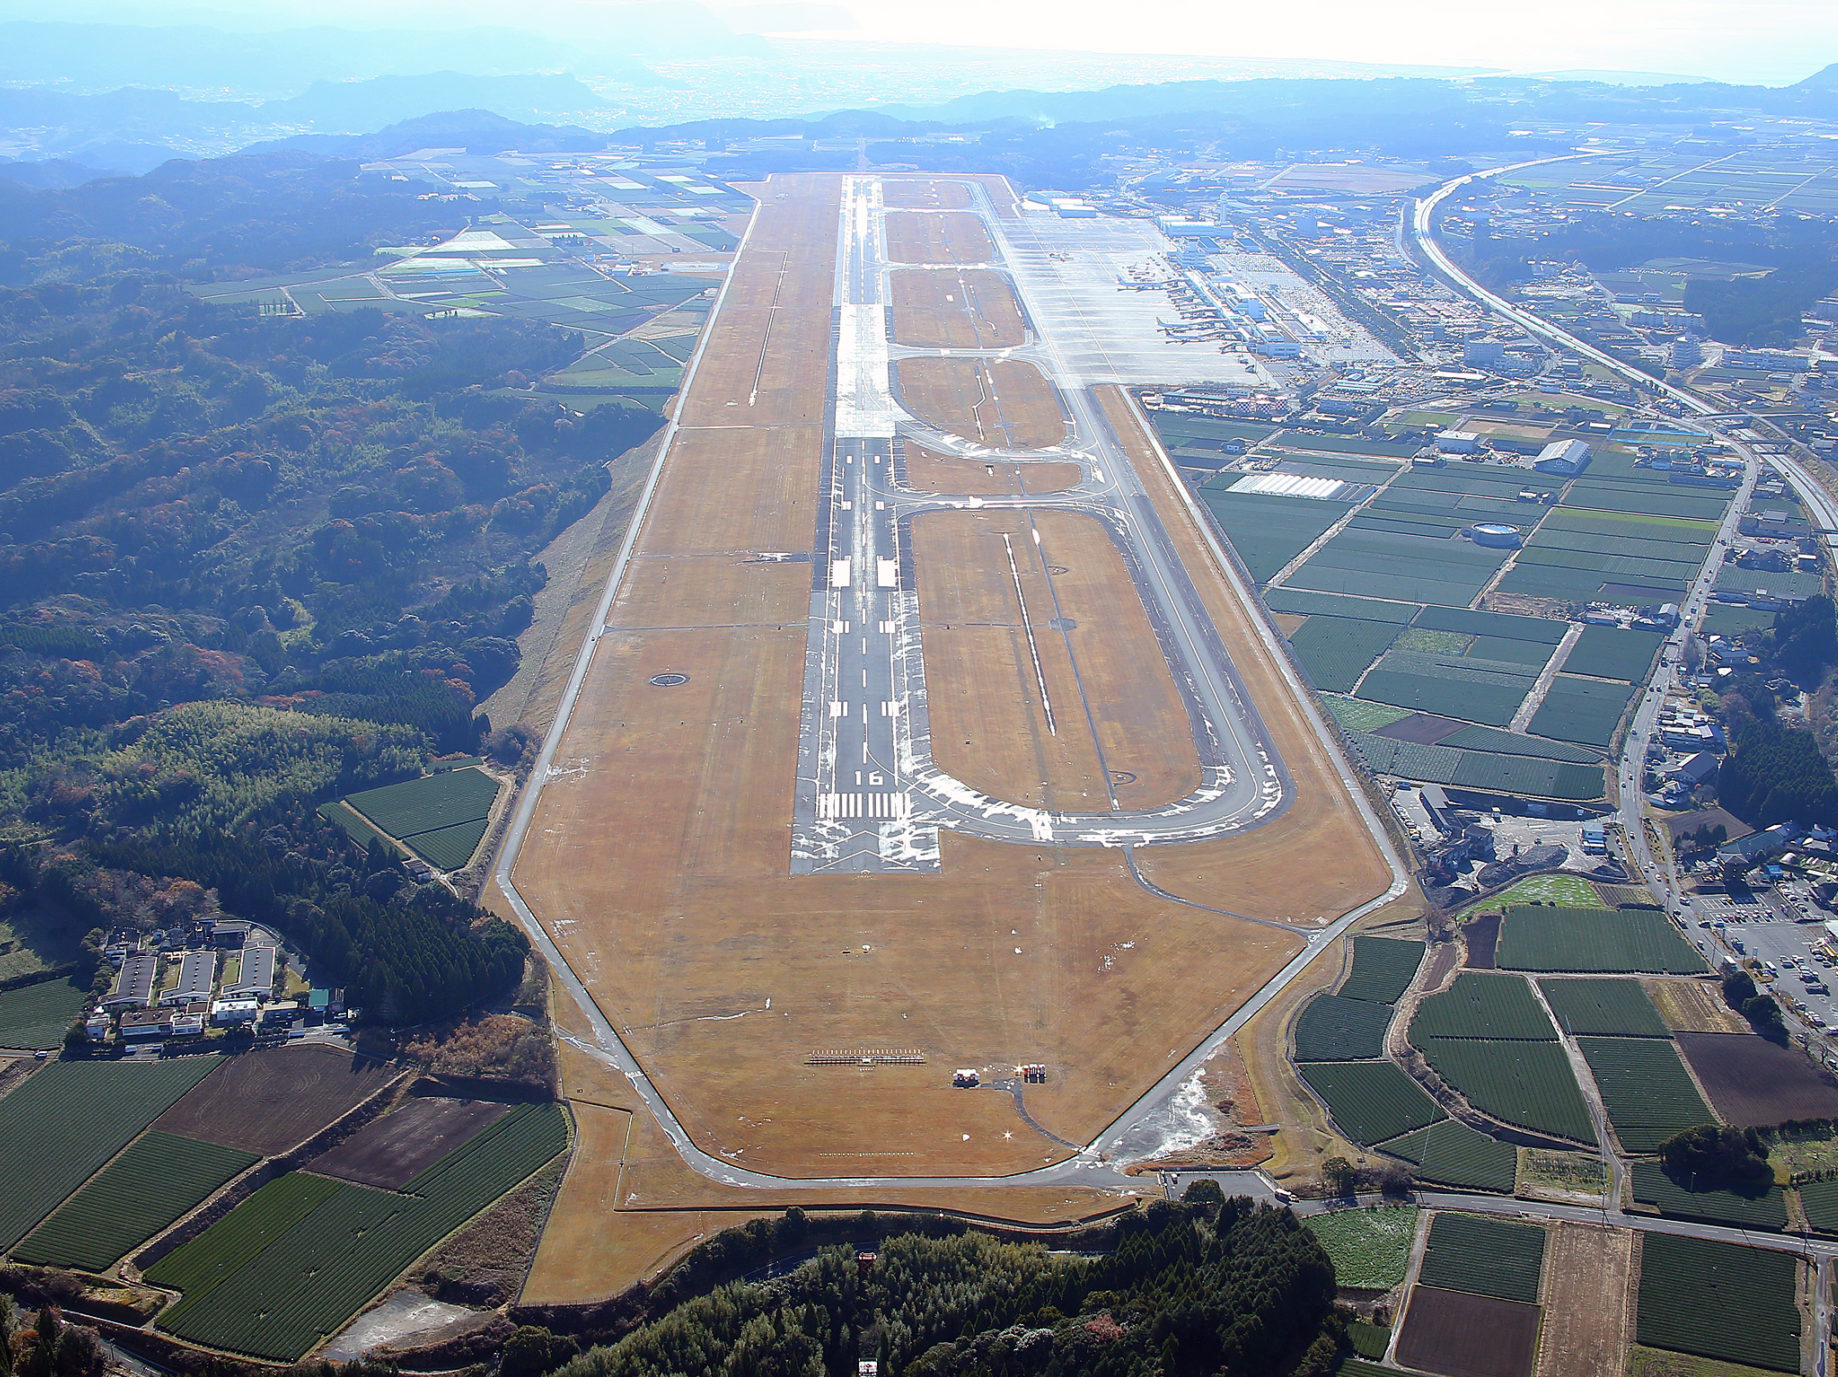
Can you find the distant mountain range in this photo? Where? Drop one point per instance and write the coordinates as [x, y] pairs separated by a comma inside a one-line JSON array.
[[265, 65], [133, 129]]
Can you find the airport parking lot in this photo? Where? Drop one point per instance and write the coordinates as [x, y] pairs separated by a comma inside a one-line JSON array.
[[1765, 927]]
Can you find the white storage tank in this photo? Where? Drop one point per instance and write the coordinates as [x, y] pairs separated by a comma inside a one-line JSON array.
[[1498, 535]]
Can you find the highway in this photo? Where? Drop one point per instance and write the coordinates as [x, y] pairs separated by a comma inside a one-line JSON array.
[[1662, 879], [1819, 502]]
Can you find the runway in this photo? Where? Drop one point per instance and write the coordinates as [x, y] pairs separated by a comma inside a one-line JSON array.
[[870, 797]]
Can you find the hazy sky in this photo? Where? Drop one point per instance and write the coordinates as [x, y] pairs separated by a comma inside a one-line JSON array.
[[1772, 40], [1775, 41]]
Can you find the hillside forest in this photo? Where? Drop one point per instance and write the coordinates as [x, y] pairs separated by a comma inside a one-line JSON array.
[[248, 564], [1179, 1290]]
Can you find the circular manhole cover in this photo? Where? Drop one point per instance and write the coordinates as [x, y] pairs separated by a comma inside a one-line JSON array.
[[668, 680]]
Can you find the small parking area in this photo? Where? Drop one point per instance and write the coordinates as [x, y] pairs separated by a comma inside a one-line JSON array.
[[1794, 952]]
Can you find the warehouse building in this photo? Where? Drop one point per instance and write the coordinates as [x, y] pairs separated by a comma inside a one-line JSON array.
[[197, 975], [256, 978], [1565, 457], [134, 985]]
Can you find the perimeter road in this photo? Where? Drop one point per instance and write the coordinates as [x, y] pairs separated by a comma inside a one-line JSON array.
[[1090, 1167]]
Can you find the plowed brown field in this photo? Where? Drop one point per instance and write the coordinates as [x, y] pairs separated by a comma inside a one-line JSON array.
[[1588, 1302]]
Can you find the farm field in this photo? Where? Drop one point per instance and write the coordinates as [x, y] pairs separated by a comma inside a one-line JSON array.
[[1464, 1335], [1690, 1287], [1762, 1210], [1593, 941], [1528, 1084], [1645, 1088], [1334, 1028], [1754, 1083], [388, 1152], [1383, 968], [441, 817], [1582, 710], [1484, 1256], [143, 1191], [69, 1118], [1448, 1153], [269, 1101], [1336, 650], [1387, 562], [1484, 691], [1603, 1008], [35, 1018], [1370, 1247], [289, 1266], [1582, 555], [1370, 1101], [1517, 773], [1820, 1201], [1588, 1301], [1268, 531], [1544, 1169], [1483, 1005], [1305, 602], [1446, 679], [1609, 652], [1693, 1006]]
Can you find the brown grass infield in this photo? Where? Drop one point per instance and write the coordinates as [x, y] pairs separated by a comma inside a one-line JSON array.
[[924, 193], [927, 471], [989, 727], [946, 236], [918, 191], [971, 308], [629, 1206], [1588, 1302], [1006, 403], [658, 859]]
